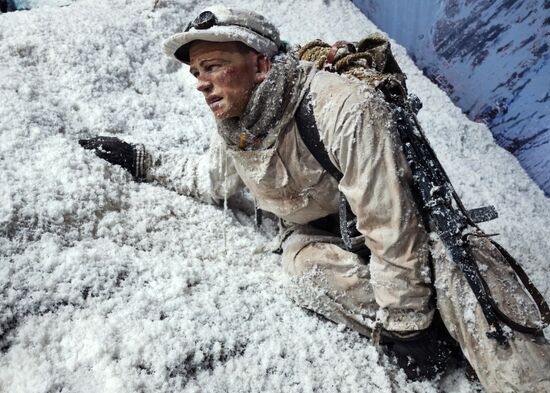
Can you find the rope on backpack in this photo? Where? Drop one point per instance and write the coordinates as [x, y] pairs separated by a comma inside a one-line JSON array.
[[370, 61]]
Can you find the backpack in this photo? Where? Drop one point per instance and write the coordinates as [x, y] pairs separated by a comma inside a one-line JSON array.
[[442, 211]]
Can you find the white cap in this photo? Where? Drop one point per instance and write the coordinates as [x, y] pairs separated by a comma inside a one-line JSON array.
[[221, 24]]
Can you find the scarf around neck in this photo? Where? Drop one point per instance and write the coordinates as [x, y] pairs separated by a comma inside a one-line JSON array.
[[271, 106]]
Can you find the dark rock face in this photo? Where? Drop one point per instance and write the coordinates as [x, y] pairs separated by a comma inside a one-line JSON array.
[[7, 6], [491, 57]]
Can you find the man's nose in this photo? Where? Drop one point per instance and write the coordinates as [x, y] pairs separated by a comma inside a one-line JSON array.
[[203, 85]]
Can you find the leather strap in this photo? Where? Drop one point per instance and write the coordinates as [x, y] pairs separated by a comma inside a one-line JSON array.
[[307, 127], [533, 291]]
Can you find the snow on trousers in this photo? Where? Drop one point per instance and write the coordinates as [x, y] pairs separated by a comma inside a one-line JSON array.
[[335, 283]]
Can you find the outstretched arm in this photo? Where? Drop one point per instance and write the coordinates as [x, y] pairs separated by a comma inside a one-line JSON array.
[[210, 177]]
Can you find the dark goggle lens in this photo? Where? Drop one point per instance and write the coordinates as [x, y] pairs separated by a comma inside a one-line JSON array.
[[204, 21]]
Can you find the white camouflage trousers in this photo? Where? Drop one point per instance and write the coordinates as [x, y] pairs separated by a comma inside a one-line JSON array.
[[335, 283]]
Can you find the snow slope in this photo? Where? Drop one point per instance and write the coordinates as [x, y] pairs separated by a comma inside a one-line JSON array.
[[492, 58], [113, 286]]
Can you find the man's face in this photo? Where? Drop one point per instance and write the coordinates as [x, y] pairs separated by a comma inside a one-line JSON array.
[[226, 75]]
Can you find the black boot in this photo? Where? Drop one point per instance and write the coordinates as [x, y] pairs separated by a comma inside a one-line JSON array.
[[425, 353]]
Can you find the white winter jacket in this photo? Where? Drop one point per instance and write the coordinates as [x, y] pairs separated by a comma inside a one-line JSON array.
[[360, 137]]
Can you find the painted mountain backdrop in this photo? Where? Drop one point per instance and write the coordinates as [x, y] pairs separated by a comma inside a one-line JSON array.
[[491, 57]]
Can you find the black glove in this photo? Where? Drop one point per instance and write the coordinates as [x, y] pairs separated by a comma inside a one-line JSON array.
[[118, 152], [423, 354]]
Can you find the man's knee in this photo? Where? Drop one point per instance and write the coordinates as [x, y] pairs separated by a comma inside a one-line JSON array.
[[342, 268], [293, 260], [303, 253]]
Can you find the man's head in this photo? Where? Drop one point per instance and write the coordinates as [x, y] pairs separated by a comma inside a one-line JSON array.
[[229, 52], [226, 73]]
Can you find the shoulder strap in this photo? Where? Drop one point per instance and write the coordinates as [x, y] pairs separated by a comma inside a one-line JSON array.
[[309, 132], [307, 127]]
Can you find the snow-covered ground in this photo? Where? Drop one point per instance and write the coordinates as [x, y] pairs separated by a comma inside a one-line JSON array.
[[107, 285]]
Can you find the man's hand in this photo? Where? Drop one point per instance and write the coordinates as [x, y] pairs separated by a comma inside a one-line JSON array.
[[117, 152]]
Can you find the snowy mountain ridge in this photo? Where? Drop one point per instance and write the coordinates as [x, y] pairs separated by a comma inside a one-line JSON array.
[[491, 57]]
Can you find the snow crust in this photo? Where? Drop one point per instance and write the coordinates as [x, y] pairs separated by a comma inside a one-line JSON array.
[[108, 285]]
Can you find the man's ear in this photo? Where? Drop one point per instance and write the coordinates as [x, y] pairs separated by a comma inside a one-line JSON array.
[[263, 65]]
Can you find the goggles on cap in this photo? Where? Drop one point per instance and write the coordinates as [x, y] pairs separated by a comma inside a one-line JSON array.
[[207, 19], [204, 21]]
